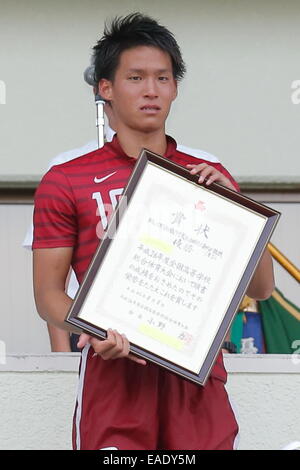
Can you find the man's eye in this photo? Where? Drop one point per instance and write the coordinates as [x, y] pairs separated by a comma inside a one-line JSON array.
[[163, 79], [135, 78]]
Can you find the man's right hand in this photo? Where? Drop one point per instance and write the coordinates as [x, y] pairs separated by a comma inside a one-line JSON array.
[[115, 346]]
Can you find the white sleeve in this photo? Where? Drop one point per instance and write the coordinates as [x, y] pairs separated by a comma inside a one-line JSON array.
[[27, 242], [73, 285], [109, 133]]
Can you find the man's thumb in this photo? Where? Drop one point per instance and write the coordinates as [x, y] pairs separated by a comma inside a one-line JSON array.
[[84, 339]]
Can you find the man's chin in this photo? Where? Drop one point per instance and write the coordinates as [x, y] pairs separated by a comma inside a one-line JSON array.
[[150, 128]]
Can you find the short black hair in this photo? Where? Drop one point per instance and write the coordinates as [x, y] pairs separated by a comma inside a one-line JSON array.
[[131, 31]]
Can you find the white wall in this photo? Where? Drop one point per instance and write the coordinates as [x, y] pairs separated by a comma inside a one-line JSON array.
[[37, 396], [21, 329], [242, 58]]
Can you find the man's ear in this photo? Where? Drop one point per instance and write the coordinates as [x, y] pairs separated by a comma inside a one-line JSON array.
[[105, 89]]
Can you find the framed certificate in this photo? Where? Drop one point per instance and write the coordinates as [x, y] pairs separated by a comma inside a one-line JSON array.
[[173, 266]]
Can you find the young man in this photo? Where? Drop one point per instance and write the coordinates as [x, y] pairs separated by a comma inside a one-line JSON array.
[[126, 403]]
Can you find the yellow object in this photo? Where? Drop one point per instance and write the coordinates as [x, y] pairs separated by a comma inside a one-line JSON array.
[[157, 243], [155, 333], [284, 261]]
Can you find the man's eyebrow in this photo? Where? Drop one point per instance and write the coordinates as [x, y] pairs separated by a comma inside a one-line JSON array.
[[143, 70]]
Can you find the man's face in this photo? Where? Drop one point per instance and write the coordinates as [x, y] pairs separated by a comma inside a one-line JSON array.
[[142, 90]]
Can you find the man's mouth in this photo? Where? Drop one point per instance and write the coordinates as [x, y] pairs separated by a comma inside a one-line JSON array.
[[150, 108]]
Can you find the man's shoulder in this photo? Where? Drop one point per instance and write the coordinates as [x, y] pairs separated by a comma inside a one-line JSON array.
[[197, 153], [76, 164]]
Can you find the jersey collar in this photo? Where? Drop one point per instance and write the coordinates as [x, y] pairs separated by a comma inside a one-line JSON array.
[[169, 153]]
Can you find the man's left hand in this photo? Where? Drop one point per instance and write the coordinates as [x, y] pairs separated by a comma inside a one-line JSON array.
[[210, 174]]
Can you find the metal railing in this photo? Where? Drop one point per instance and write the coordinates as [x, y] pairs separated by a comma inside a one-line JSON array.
[[284, 262]]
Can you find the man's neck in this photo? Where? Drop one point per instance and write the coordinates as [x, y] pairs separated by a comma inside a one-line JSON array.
[[132, 142]]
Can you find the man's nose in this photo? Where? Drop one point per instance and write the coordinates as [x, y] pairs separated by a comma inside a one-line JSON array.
[[150, 89]]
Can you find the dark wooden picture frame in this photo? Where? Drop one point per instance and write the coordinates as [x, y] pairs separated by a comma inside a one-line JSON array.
[[270, 217]]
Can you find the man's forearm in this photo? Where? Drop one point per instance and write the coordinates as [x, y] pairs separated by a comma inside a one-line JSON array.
[[262, 283], [53, 307], [59, 339]]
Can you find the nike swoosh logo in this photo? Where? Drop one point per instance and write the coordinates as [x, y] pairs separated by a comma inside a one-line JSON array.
[[99, 180]]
